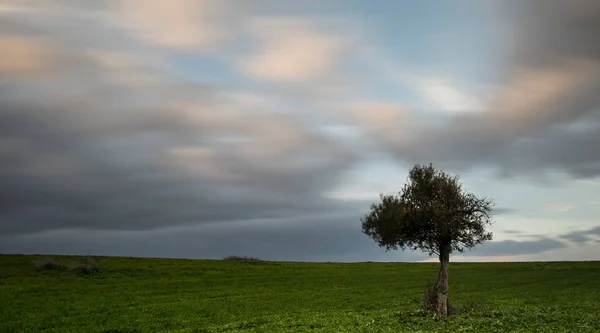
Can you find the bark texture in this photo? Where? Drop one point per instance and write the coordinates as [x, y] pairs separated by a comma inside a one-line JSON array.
[[442, 287]]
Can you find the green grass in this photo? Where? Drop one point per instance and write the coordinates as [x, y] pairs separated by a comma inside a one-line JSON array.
[[164, 295]]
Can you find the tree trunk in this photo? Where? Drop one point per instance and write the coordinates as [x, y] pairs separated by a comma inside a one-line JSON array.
[[442, 288]]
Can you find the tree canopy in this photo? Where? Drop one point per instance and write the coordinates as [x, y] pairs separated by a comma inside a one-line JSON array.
[[430, 212]]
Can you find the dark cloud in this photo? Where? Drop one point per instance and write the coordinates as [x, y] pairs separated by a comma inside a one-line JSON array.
[[582, 236], [550, 32], [80, 149], [540, 244], [510, 247], [311, 238], [56, 174], [504, 211], [512, 232], [316, 238]]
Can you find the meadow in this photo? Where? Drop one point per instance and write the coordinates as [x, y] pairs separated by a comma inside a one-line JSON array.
[[179, 295]]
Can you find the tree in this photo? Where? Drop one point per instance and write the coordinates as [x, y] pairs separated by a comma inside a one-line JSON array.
[[431, 213]]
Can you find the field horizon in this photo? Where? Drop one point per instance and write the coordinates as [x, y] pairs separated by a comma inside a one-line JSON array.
[[427, 261], [138, 294]]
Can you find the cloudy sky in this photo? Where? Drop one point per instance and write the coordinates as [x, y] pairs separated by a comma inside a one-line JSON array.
[[197, 128]]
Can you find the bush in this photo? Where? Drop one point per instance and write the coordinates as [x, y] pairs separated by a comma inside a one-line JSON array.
[[429, 301], [239, 258], [88, 268], [48, 264]]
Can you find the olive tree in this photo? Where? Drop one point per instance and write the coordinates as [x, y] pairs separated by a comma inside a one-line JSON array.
[[431, 213]]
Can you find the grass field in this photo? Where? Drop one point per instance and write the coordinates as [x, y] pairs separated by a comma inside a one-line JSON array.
[[173, 295]]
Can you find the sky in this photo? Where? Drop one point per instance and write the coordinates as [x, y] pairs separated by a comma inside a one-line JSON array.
[[264, 128]]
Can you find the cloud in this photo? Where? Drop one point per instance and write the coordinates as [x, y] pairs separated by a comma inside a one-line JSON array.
[[114, 132], [311, 238], [79, 172], [553, 31], [177, 24], [523, 131], [582, 236], [591, 182], [291, 51], [513, 232], [504, 211], [536, 111], [380, 121], [129, 69], [11, 8], [510, 247], [557, 207], [377, 116], [353, 194], [24, 57], [117, 143], [444, 95]]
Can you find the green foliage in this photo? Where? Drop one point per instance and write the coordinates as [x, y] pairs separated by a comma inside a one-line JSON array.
[[168, 295], [431, 213]]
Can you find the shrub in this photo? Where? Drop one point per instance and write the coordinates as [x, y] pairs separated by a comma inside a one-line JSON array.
[[240, 258], [48, 264], [429, 301], [88, 268]]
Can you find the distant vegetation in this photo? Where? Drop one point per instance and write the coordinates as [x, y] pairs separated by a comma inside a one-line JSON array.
[[241, 258], [48, 264], [90, 266], [168, 295]]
